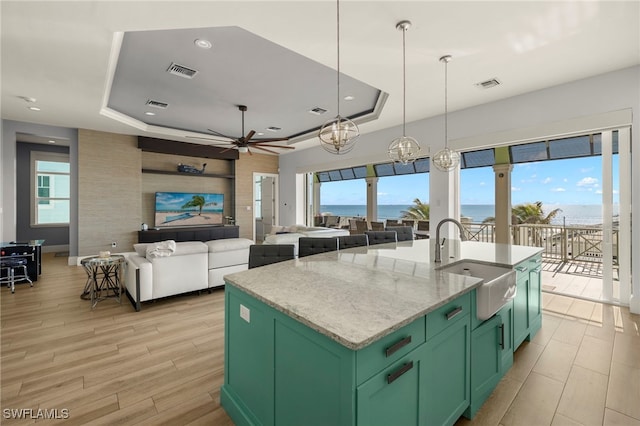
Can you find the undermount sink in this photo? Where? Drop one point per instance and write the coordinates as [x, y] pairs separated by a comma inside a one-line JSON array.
[[498, 288]]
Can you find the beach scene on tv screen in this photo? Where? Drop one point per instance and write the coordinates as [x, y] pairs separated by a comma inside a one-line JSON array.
[[187, 208]]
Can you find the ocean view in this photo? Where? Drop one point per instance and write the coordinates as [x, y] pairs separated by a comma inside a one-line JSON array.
[[571, 214]]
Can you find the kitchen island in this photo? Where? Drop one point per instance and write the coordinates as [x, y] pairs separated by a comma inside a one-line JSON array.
[[375, 335]]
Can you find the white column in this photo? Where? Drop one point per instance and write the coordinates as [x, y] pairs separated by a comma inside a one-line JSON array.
[[444, 200], [607, 217], [503, 202], [372, 199]]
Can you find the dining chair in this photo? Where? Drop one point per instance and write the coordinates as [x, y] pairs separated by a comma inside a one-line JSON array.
[[266, 254], [310, 245], [404, 233], [381, 237], [350, 241]]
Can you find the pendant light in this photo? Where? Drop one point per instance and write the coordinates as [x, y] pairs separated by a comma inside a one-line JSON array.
[[404, 149], [446, 160], [338, 135]]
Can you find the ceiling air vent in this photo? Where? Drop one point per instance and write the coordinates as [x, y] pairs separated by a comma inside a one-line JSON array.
[[157, 104], [488, 84], [317, 111], [274, 129], [181, 71]]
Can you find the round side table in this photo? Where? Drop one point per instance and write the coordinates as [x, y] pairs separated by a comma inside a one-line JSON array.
[[104, 278]]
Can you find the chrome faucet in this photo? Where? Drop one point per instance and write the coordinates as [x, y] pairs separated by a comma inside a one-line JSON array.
[[439, 245]]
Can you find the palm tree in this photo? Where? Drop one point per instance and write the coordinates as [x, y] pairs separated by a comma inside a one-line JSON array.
[[528, 213], [196, 201], [419, 211], [533, 213]]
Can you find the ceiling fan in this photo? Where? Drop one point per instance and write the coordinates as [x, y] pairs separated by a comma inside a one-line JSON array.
[[244, 143]]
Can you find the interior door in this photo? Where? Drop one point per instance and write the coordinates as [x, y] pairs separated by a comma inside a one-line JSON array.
[[265, 204]]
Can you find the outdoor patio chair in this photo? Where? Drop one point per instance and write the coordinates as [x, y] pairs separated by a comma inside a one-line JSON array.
[[361, 226], [393, 222], [377, 226], [310, 245], [423, 229], [266, 254]]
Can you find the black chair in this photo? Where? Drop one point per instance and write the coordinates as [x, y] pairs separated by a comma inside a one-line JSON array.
[[266, 254], [405, 233], [351, 241], [381, 237], [309, 245]]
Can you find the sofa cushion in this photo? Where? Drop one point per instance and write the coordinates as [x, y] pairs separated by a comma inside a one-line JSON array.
[[228, 252], [227, 244]]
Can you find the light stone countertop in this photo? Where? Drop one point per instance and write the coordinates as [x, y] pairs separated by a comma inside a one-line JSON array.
[[360, 295]]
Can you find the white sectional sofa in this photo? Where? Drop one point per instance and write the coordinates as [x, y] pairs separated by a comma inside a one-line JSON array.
[[291, 234], [190, 266]]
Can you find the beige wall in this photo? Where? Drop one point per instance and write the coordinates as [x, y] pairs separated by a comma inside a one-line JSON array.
[[245, 167], [109, 182], [115, 197]]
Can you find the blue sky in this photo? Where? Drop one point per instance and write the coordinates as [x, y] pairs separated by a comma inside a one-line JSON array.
[[574, 181]]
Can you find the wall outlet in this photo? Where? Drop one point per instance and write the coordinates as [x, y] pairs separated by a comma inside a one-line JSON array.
[[245, 313], [114, 244]]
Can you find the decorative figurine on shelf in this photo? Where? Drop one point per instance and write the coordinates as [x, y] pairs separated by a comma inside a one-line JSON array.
[[186, 168]]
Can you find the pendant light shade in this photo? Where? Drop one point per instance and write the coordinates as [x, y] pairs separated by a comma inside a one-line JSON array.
[[338, 136], [446, 160], [404, 149]]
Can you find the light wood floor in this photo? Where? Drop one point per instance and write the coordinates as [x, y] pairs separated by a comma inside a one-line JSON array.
[[164, 365]]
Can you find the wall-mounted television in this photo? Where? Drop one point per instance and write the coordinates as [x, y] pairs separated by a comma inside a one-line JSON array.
[[188, 208]]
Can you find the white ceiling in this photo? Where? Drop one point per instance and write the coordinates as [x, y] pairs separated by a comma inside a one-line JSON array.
[[59, 52]]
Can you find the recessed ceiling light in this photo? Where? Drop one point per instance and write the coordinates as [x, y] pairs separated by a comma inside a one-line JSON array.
[[260, 133], [52, 141], [149, 113], [34, 108], [349, 98], [202, 43]]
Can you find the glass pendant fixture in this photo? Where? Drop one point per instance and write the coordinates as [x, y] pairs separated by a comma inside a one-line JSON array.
[[338, 135], [446, 160], [404, 149]]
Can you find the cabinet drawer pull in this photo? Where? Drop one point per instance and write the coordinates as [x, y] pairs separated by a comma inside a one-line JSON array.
[[539, 260], [502, 336], [397, 346], [453, 313], [393, 376], [521, 268], [538, 269]]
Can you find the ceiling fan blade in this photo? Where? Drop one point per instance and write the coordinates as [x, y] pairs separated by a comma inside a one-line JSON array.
[[227, 149], [249, 135], [272, 146], [222, 135], [270, 140], [264, 149]]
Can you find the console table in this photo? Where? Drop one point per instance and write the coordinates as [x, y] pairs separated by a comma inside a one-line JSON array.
[[191, 233]]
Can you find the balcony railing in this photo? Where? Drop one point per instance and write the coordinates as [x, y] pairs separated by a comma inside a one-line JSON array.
[[559, 243]]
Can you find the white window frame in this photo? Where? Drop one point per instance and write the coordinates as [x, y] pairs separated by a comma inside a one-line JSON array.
[[45, 156]]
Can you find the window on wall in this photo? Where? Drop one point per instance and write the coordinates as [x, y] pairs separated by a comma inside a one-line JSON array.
[[50, 188]]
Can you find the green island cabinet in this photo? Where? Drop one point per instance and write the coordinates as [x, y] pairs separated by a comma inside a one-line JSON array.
[[281, 372], [445, 364], [527, 314]]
